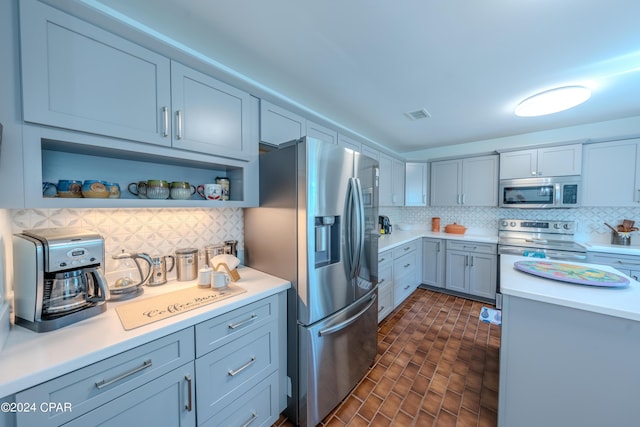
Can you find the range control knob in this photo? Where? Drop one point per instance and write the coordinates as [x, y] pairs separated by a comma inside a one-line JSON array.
[[556, 226], [566, 226], [505, 223], [512, 223]]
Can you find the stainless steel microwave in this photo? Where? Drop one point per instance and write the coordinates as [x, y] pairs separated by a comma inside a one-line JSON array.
[[541, 193]]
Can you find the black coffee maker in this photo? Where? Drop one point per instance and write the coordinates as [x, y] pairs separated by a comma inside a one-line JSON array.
[[385, 224]]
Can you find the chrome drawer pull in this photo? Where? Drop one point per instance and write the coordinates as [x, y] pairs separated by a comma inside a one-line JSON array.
[[179, 124], [244, 322], [381, 260], [380, 309], [146, 364], [381, 281], [408, 248], [406, 287], [165, 122], [189, 405], [252, 419], [407, 265], [233, 373]]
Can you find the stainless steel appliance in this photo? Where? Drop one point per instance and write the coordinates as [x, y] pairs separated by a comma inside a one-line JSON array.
[[541, 193], [540, 239], [159, 269], [317, 227], [58, 278]]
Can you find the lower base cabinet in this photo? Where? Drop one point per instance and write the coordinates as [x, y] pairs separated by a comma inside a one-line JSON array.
[[385, 284], [626, 264], [228, 370], [433, 262], [471, 268]]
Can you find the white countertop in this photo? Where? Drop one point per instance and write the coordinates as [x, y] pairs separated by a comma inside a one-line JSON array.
[[618, 302], [611, 249], [30, 358], [398, 238]]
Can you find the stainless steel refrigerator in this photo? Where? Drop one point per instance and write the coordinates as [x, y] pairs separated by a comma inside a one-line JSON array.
[[317, 227]]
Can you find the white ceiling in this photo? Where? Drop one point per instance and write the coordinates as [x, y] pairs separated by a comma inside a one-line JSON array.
[[364, 63]]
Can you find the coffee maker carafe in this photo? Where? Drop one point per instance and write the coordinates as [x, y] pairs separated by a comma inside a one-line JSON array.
[[58, 277]]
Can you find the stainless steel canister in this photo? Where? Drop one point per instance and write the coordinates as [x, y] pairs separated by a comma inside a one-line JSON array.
[[187, 264], [231, 247], [212, 250]]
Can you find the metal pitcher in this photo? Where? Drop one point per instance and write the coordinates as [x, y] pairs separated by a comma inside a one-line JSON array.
[[159, 269]]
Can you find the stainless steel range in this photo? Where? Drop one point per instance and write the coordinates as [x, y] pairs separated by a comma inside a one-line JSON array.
[[541, 239]]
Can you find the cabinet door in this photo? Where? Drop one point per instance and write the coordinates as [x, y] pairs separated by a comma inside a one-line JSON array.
[[397, 182], [610, 177], [445, 182], [385, 300], [563, 160], [77, 76], [322, 133], [519, 164], [278, 125], [480, 181], [210, 116], [350, 143], [167, 401], [385, 188], [432, 262], [371, 152], [416, 184], [456, 276], [483, 275]]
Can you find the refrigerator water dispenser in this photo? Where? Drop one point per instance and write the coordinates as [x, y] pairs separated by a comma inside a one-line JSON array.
[[327, 249]]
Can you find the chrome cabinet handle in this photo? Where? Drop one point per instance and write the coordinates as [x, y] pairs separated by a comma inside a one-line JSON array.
[[380, 309], [406, 287], [381, 259], [464, 198], [233, 373], [407, 265], [471, 264], [189, 405], [627, 263], [244, 322], [408, 248], [104, 383], [250, 420], [165, 122], [179, 124], [438, 247], [381, 282]]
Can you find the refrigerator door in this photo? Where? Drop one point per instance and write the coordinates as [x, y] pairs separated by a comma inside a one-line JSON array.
[[325, 200], [335, 354], [367, 174]]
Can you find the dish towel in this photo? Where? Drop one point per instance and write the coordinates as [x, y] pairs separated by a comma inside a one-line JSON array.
[[491, 315]]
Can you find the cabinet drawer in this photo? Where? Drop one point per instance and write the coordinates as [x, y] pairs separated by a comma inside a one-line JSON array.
[[405, 264], [403, 287], [220, 330], [385, 301], [385, 258], [226, 373], [615, 260], [385, 275], [96, 384], [405, 249], [485, 248], [258, 406]]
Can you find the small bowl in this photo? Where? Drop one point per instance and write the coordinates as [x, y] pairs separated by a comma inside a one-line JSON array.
[[455, 228]]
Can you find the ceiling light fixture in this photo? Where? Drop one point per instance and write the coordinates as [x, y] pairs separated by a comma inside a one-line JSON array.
[[553, 101]]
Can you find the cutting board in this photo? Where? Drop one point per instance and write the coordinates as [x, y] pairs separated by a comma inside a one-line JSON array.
[[572, 273]]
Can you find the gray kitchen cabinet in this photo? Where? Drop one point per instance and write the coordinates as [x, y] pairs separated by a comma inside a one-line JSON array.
[[78, 76], [371, 152], [562, 160], [415, 184], [611, 175], [210, 116], [626, 264], [167, 361], [106, 85], [167, 401], [407, 270], [471, 268], [470, 181], [240, 361], [386, 302], [391, 187], [433, 262], [278, 125], [323, 133]]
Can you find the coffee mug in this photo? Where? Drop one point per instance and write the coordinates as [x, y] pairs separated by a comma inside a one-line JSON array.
[[210, 191], [138, 189], [114, 190], [49, 189], [158, 189], [69, 188], [219, 280], [182, 190]]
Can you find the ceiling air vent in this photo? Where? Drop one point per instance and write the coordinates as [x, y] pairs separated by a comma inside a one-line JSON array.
[[418, 114]]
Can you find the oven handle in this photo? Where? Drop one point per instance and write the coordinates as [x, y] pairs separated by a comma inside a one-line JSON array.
[[563, 256], [510, 251]]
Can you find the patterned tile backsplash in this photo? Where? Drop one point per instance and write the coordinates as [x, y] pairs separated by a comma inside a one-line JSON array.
[[154, 231], [590, 221]]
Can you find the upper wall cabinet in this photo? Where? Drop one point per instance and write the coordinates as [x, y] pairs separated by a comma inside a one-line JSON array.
[[352, 144], [322, 133], [563, 160], [611, 174], [77, 76], [471, 182], [278, 125], [416, 184], [391, 181]]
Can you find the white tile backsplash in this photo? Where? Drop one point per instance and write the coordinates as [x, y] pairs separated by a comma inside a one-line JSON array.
[[154, 231], [590, 221]]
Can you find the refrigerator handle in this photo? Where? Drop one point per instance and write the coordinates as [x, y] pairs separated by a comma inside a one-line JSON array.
[[349, 229], [340, 326], [359, 201]]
